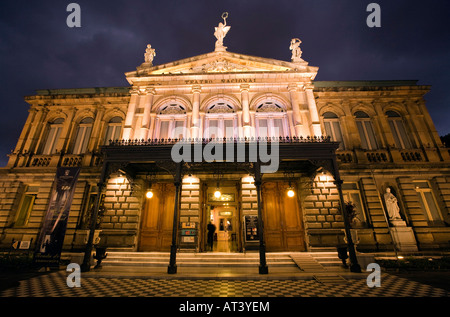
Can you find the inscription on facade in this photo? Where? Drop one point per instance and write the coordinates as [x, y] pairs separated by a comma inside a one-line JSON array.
[[222, 81]]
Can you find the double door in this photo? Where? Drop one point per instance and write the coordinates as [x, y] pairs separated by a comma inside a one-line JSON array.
[[283, 225], [157, 222]]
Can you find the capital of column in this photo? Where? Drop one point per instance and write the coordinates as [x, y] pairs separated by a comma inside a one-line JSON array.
[[134, 91], [196, 89], [245, 87], [150, 91], [292, 87]]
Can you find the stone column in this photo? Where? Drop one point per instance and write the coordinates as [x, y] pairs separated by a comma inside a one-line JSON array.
[[130, 114], [195, 112], [314, 114], [146, 120], [296, 116], [246, 124], [24, 135]]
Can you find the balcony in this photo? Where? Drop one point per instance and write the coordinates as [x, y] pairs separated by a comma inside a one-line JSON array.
[[71, 160], [41, 160]]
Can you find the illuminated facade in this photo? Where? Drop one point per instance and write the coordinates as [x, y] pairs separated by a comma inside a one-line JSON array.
[[379, 132]]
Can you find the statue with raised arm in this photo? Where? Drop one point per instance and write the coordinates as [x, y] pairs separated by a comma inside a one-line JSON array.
[[221, 31], [149, 54], [296, 51], [392, 205]]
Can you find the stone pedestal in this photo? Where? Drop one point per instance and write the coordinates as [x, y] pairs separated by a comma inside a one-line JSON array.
[[404, 238]]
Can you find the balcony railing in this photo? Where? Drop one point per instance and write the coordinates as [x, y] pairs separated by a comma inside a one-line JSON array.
[[71, 160], [377, 156], [139, 142], [41, 160], [411, 155]]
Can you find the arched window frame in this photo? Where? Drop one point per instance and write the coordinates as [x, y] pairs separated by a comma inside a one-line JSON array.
[[170, 117], [274, 117], [332, 126], [225, 119], [53, 133], [83, 136], [113, 129], [398, 130], [366, 131]]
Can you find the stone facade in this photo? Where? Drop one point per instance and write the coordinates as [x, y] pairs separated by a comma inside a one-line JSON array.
[[387, 139]]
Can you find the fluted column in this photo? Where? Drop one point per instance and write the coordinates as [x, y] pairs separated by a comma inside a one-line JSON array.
[[314, 114], [146, 122], [296, 115], [195, 112], [130, 114], [246, 121]]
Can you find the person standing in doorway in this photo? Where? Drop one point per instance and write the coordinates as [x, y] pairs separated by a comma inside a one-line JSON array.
[[211, 231]]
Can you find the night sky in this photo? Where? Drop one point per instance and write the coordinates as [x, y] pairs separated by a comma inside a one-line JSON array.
[[39, 51]]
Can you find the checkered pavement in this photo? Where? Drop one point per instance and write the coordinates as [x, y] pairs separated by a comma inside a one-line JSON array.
[[54, 285]]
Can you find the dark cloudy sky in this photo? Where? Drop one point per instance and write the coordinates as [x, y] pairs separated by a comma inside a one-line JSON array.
[[39, 51]]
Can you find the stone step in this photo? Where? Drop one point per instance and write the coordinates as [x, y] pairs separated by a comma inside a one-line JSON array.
[[195, 259]]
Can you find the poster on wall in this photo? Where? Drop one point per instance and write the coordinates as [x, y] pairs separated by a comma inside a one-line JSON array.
[[51, 238], [251, 228]]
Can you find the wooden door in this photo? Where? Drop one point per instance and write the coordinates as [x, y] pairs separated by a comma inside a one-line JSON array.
[[157, 219], [283, 225]]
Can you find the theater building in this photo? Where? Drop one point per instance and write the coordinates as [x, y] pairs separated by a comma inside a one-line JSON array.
[[237, 115]]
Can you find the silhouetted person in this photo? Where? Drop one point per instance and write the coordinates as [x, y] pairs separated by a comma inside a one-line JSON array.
[[211, 230]]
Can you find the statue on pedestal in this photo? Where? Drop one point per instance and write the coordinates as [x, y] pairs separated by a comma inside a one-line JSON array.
[[296, 51], [392, 205], [149, 54], [221, 31]]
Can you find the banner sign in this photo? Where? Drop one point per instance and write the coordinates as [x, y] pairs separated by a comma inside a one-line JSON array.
[[50, 242]]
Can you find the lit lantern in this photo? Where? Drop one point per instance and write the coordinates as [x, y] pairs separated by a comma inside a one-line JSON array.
[[149, 194], [290, 192], [217, 193]]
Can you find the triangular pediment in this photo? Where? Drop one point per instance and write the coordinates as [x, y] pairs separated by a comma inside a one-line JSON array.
[[221, 62]]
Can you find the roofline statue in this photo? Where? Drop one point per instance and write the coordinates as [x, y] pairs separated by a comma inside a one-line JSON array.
[[221, 31], [296, 51], [149, 54]]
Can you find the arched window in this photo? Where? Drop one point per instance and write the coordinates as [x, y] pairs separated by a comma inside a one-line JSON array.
[[83, 135], [333, 128], [398, 130], [171, 122], [366, 132], [220, 121], [271, 120], [113, 130], [52, 138]]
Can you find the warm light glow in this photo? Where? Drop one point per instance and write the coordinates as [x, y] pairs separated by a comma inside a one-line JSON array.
[[217, 193], [400, 257], [120, 179], [291, 193], [149, 194]]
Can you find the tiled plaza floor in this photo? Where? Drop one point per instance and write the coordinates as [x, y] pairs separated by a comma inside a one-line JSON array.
[[54, 285]]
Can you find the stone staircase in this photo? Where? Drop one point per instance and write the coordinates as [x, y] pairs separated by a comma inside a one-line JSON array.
[[306, 261], [161, 259]]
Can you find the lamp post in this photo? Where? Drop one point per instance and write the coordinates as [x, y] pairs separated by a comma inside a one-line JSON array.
[[172, 268], [86, 265], [263, 269], [354, 266]]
